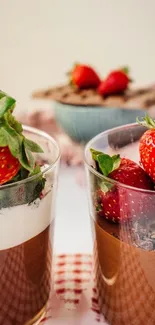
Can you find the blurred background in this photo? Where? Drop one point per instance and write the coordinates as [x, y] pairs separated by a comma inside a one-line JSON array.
[[41, 39]]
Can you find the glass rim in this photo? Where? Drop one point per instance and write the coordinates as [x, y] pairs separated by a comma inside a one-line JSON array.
[[96, 173], [50, 167]]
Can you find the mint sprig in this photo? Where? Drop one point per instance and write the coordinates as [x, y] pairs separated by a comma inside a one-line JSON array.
[[11, 135], [106, 164]]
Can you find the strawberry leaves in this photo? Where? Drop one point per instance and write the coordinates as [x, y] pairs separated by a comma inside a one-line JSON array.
[[32, 146], [11, 120], [147, 122], [125, 69], [6, 103], [8, 137], [106, 164]]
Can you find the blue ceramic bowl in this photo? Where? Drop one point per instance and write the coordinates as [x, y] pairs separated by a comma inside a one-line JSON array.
[[82, 123]]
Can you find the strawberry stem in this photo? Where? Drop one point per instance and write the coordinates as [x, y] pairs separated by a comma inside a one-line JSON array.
[[147, 122], [126, 70]]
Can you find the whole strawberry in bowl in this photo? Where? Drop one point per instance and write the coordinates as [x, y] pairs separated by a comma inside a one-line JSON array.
[[84, 77], [88, 104], [121, 193], [116, 82]]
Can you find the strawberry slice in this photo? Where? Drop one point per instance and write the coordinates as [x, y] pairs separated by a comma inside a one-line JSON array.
[[9, 165], [112, 201], [84, 76]]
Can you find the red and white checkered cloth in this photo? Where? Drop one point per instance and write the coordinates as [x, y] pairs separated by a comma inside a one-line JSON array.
[[75, 294]]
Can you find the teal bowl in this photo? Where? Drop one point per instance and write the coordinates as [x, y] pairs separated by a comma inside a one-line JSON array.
[[82, 123]]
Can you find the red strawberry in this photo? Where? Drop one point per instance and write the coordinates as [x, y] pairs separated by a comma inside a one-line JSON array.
[[83, 76], [107, 204], [116, 82], [117, 203], [147, 147], [9, 165]]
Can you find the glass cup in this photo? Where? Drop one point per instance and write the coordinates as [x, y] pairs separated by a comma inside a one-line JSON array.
[[124, 252], [26, 238]]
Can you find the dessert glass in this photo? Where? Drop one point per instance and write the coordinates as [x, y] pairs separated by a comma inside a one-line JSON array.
[[26, 238], [124, 252]]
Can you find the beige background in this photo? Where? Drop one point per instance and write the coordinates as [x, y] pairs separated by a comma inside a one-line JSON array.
[[40, 39]]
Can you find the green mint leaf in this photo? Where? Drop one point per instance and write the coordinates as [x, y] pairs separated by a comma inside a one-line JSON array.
[[3, 138], [23, 159], [32, 146], [106, 164], [95, 153], [2, 94], [12, 140], [6, 103], [11, 120], [30, 159]]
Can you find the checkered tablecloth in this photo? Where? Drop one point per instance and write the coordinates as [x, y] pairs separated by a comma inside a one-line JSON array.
[[75, 299]]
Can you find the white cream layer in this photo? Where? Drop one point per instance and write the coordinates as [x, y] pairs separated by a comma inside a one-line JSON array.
[[21, 223]]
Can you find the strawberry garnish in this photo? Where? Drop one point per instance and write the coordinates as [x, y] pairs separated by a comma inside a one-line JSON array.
[[16, 158], [9, 165], [116, 82], [109, 197], [84, 77], [147, 146]]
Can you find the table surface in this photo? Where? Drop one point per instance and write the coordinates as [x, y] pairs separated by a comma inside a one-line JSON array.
[[72, 229]]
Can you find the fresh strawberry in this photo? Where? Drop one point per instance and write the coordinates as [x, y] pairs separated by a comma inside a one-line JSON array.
[[107, 204], [114, 202], [147, 146], [9, 165], [84, 77], [116, 82]]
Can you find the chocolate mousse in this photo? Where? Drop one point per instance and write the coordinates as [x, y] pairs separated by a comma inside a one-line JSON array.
[[124, 275]]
